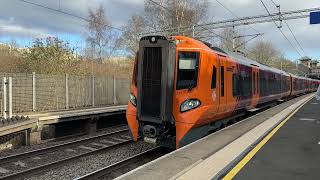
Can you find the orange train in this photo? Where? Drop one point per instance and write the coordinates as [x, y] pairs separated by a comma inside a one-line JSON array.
[[182, 89]]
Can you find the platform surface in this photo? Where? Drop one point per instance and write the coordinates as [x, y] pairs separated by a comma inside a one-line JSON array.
[[293, 152], [216, 151]]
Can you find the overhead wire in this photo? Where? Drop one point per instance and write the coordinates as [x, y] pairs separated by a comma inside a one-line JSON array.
[[287, 24], [230, 11], [274, 3], [85, 19], [64, 12], [299, 44], [160, 5], [280, 29], [195, 24], [225, 7]]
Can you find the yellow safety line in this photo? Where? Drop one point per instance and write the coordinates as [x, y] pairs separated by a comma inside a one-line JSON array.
[[249, 156]]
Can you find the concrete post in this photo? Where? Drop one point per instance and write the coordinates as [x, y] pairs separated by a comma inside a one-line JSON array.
[[67, 91], [92, 81], [33, 91], [233, 43], [10, 97], [4, 88], [34, 137], [27, 137], [91, 125], [114, 90], [193, 31]]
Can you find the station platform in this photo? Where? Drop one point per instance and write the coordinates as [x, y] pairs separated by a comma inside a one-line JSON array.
[[34, 123], [293, 152], [226, 153], [67, 115]]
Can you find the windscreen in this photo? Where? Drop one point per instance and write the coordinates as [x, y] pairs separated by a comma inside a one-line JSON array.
[[187, 70]]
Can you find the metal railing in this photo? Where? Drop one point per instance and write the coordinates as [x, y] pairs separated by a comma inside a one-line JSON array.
[[38, 92]]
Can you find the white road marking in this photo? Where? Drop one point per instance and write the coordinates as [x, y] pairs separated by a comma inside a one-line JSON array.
[[98, 144], [314, 103], [306, 119], [3, 170], [108, 142], [70, 150], [319, 142], [19, 163], [88, 148]]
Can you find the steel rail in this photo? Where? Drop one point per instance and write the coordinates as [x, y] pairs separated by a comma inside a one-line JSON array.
[[122, 164], [41, 151], [37, 169]]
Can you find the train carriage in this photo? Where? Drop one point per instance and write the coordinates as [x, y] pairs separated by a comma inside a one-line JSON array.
[[182, 89]]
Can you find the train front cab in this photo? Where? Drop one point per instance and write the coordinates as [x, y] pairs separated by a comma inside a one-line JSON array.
[[149, 112]]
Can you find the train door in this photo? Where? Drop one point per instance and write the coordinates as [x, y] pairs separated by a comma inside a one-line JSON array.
[[255, 86], [214, 86], [222, 83]]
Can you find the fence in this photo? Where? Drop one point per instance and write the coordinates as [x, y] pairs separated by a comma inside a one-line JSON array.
[[38, 92]]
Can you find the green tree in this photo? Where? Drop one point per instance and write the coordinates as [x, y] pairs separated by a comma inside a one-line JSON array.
[[50, 56]]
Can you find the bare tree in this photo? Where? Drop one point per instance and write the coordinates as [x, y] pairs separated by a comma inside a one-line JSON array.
[[101, 38], [285, 64], [265, 53], [176, 17], [230, 39], [132, 34]]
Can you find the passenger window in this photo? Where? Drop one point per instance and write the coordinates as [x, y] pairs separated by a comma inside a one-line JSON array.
[[263, 84], [246, 83], [254, 83], [214, 78], [222, 81], [236, 90], [187, 70]]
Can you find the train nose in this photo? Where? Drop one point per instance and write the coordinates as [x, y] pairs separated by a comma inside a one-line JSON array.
[[149, 131]]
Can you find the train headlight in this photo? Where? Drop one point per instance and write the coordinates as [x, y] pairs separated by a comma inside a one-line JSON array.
[[133, 100], [189, 104]]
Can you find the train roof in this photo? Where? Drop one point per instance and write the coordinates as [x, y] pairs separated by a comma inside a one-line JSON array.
[[242, 59], [248, 62]]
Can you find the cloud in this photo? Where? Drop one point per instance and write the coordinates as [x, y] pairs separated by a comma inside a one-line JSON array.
[[30, 16], [9, 29], [304, 32], [18, 19]]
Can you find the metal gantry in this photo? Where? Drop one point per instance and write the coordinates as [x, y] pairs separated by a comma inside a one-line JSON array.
[[286, 15]]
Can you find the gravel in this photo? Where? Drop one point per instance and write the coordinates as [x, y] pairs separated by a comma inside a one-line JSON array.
[[91, 163], [54, 142]]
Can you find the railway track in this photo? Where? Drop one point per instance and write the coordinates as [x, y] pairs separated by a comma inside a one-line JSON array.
[[19, 166], [117, 169]]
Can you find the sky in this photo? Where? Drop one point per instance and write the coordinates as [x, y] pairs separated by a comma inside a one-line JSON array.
[[22, 22]]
